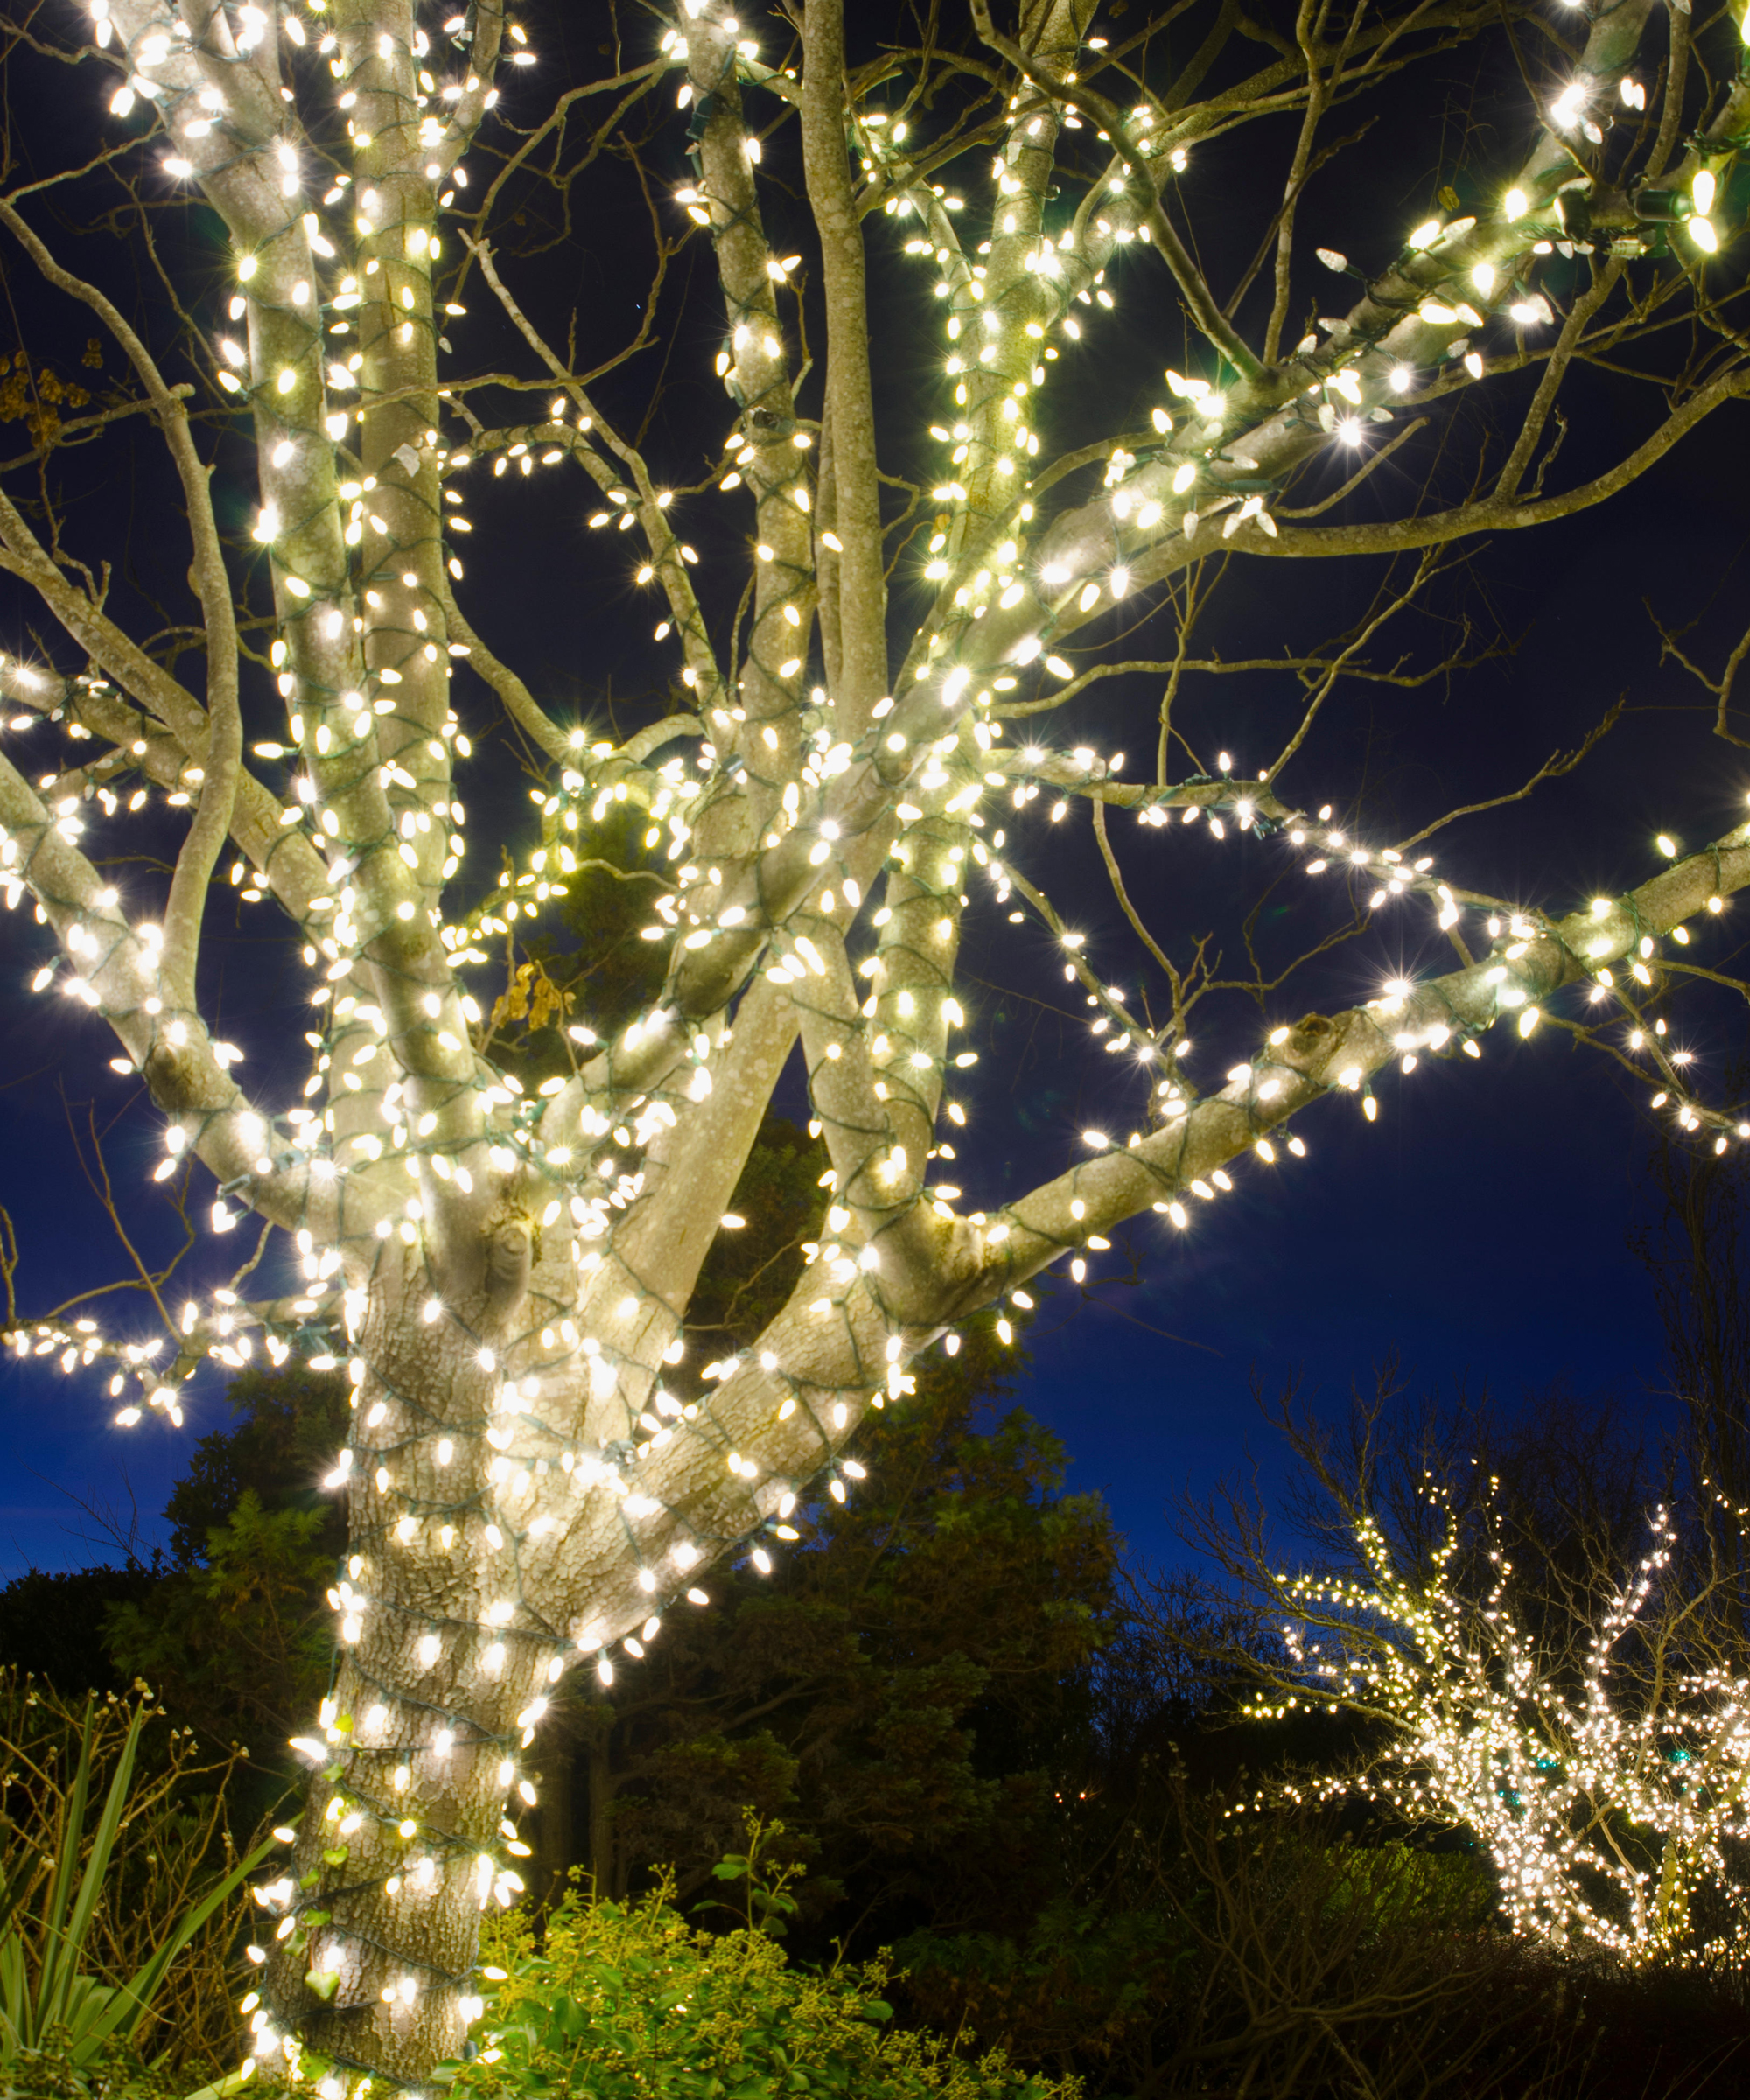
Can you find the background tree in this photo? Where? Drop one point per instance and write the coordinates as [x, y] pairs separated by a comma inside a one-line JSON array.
[[238, 1645], [900, 1692], [231, 1625], [236, 1635], [288, 1423], [1569, 1695], [1531, 1616], [505, 1275], [52, 1624], [1694, 1244]]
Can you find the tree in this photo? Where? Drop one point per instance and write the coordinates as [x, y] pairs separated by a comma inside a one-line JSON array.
[[236, 1632], [52, 1625], [238, 1647], [505, 1276], [288, 1423], [899, 1692], [1540, 1663]]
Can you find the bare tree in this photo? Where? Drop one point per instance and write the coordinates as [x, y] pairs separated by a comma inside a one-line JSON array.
[[506, 1273]]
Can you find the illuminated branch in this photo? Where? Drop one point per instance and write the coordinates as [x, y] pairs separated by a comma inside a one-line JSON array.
[[1343, 1052], [116, 971], [668, 556], [518, 702], [1198, 298]]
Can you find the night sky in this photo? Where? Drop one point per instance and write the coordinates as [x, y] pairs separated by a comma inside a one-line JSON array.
[[1479, 1229]]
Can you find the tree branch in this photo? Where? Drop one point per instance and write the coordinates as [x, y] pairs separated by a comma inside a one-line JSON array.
[[860, 586]]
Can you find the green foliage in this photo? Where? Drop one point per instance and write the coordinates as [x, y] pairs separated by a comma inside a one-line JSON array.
[[766, 1903], [290, 1424], [58, 1897], [1204, 1948], [1074, 1986], [1088, 1978], [240, 1646], [900, 1690], [628, 2002], [114, 2073], [117, 2072]]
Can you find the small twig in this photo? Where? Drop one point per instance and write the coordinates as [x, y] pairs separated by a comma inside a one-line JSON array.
[[1553, 767]]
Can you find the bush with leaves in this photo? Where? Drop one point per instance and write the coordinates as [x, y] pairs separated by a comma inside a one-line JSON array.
[[59, 2071], [631, 2002]]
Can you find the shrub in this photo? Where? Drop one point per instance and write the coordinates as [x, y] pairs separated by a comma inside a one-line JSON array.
[[1278, 1956], [58, 2070], [630, 2002]]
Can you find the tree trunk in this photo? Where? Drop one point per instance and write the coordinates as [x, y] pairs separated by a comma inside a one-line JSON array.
[[430, 1714]]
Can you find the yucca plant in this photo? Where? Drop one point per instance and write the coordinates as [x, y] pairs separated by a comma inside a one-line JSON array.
[[62, 1988]]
